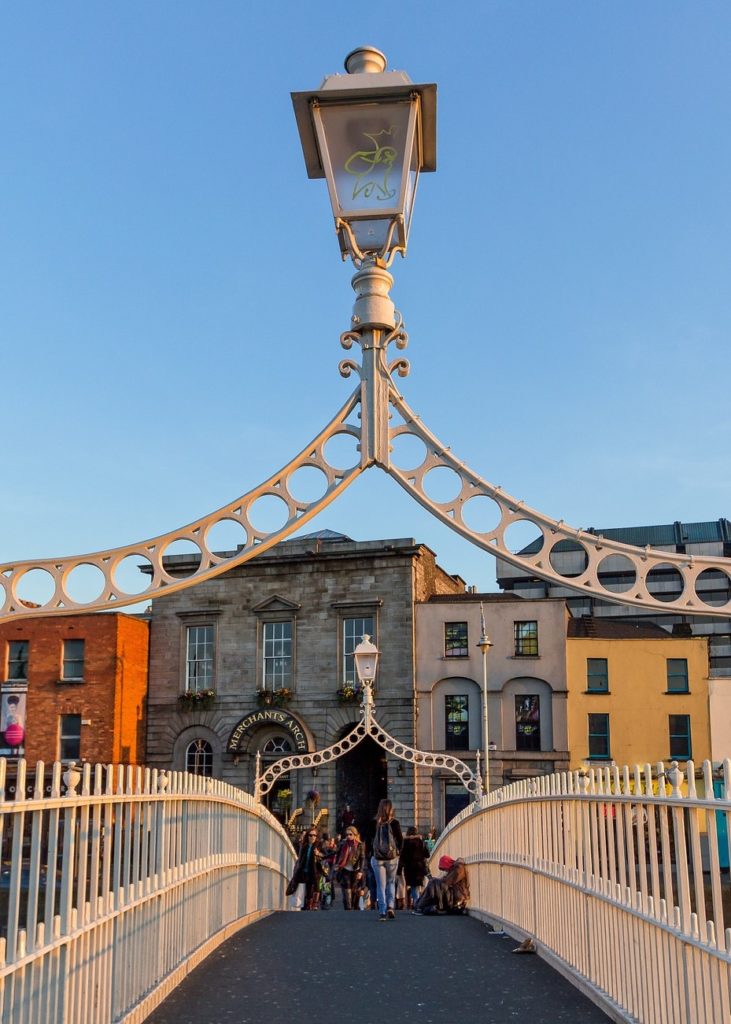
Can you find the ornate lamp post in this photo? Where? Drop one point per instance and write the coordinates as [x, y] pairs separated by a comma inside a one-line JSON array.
[[484, 643], [366, 656]]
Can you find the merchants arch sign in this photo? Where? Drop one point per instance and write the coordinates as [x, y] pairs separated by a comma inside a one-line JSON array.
[[256, 719]]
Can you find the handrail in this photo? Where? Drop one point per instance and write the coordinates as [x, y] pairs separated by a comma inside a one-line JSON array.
[[617, 876], [115, 892]]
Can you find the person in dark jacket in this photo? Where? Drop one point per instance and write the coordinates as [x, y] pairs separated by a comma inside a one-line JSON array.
[[309, 869], [387, 842], [447, 894], [412, 864], [349, 866]]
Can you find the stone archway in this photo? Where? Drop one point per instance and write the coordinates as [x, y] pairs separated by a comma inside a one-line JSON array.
[[360, 782]]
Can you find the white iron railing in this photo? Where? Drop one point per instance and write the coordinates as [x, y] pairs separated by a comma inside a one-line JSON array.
[[620, 877], [110, 895]]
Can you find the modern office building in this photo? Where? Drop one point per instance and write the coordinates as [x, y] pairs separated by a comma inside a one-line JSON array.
[[714, 587]]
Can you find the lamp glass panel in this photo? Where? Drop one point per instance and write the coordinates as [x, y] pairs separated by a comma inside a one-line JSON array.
[[367, 146]]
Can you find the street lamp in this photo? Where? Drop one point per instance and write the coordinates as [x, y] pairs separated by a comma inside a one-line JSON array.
[[366, 656], [369, 133], [484, 643]]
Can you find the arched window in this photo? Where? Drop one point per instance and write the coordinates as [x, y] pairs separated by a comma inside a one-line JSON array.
[[274, 748], [199, 758]]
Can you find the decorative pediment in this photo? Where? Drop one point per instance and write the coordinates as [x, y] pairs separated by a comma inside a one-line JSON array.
[[275, 604]]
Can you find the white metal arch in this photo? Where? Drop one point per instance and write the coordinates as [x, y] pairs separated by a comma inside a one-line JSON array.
[[368, 726]]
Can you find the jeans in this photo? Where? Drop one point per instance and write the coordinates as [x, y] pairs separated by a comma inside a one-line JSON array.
[[385, 872]]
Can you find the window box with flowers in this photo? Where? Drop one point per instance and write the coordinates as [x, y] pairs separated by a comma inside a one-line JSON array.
[[196, 700], [273, 698], [349, 694]]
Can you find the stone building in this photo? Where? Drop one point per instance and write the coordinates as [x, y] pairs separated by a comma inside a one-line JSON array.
[[73, 688], [526, 684], [252, 662]]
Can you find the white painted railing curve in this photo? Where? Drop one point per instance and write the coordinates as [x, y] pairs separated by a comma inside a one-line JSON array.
[[621, 879], [116, 881]]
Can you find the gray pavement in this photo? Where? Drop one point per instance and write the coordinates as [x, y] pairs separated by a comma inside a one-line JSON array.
[[340, 968]]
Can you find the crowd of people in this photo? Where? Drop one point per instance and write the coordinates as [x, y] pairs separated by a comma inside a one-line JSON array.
[[383, 871]]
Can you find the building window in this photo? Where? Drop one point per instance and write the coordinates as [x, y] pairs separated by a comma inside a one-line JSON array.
[[456, 799], [73, 660], [597, 675], [277, 656], [199, 758], [679, 729], [199, 665], [70, 738], [599, 737], [528, 722], [526, 639], [677, 675], [353, 632], [18, 660], [456, 722], [455, 640]]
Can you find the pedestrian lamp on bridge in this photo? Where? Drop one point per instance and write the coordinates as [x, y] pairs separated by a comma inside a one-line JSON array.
[[366, 656], [484, 643], [369, 133]]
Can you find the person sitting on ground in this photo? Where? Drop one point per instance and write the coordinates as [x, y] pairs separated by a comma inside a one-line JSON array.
[[448, 894]]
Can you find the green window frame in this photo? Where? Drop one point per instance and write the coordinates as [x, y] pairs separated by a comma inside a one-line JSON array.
[[455, 640], [456, 722], [597, 675], [677, 674], [681, 748], [526, 639], [599, 745]]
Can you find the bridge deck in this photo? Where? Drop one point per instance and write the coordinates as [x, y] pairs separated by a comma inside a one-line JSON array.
[[353, 969]]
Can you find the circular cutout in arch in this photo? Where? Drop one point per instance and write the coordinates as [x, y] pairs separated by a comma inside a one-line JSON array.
[[407, 451], [181, 558], [442, 484], [226, 537], [523, 537], [84, 583], [307, 484], [133, 575], [268, 514], [568, 558], [35, 587], [481, 514], [713, 588], [665, 583], [617, 574], [341, 451]]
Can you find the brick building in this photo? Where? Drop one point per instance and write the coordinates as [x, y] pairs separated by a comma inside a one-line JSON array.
[[74, 688], [282, 628]]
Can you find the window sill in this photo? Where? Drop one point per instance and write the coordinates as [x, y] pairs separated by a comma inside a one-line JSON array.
[[521, 657], [606, 758], [455, 657], [70, 682], [600, 693], [676, 693]]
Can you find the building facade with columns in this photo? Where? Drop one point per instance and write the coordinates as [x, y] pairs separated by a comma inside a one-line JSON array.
[[259, 661]]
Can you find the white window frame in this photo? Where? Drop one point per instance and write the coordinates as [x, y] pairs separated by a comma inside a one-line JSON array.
[[281, 678], [350, 639], [195, 681]]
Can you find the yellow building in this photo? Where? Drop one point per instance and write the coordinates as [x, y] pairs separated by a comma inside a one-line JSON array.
[[637, 694]]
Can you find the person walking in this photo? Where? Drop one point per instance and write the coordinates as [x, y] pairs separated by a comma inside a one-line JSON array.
[[308, 870], [412, 863], [387, 843], [349, 866]]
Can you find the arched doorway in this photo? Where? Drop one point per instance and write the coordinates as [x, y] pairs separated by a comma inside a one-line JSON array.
[[277, 800], [361, 781]]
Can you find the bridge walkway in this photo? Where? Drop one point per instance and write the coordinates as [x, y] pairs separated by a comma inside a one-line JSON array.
[[351, 968]]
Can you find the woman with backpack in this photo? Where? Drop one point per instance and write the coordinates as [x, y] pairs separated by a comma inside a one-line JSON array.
[[387, 843]]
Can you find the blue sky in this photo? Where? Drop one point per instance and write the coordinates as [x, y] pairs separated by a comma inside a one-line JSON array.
[[171, 293]]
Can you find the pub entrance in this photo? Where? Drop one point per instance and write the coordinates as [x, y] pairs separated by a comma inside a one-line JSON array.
[[361, 780]]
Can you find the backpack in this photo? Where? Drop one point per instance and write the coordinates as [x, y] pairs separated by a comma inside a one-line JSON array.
[[384, 846]]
